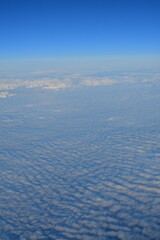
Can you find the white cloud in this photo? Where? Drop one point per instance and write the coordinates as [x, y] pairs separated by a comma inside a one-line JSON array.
[[6, 94]]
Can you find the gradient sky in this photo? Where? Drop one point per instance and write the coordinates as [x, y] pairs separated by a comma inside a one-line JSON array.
[[37, 29]]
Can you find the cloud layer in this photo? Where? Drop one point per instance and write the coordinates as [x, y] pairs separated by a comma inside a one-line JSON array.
[[83, 163], [55, 81]]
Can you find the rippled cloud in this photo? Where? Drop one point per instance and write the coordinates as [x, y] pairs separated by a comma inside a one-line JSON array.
[[48, 197]]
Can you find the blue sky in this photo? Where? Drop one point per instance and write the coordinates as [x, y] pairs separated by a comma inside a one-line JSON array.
[[45, 29]]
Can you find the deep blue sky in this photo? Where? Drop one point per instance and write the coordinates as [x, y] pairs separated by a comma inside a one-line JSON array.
[[60, 28]]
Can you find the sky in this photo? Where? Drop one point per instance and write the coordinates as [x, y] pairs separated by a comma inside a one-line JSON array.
[[52, 29]]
